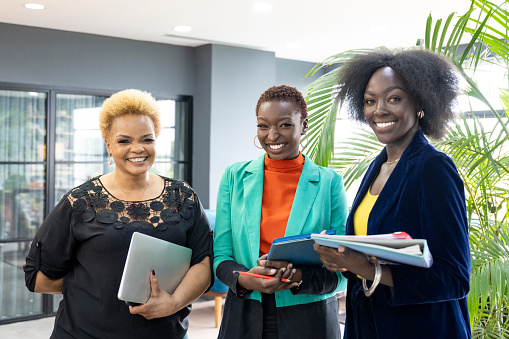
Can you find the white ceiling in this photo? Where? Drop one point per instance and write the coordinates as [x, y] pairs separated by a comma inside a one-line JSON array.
[[319, 28]]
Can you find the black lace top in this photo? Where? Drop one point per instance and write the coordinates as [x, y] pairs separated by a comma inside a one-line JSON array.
[[85, 240]]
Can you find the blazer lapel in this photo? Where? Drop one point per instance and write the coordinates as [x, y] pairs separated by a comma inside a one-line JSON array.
[[253, 191], [369, 177], [388, 196], [392, 189], [305, 196]]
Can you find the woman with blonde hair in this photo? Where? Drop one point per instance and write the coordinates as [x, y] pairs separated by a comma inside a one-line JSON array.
[[81, 247]]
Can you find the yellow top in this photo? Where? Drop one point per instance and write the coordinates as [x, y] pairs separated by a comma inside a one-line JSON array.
[[360, 218]]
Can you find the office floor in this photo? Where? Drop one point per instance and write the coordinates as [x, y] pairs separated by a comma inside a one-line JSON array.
[[201, 324], [201, 321]]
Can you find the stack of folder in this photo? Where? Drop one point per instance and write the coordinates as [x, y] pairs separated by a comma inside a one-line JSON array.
[[393, 248]]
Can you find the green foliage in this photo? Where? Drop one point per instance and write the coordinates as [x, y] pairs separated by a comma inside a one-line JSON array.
[[481, 155], [322, 110]]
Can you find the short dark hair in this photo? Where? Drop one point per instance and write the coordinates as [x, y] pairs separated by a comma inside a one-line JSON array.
[[430, 79], [284, 93]]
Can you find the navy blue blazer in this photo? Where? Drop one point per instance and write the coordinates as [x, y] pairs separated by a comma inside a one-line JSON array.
[[424, 196]]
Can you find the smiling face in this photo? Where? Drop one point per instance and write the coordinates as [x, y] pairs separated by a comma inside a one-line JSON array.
[[280, 128], [389, 110], [131, 142]]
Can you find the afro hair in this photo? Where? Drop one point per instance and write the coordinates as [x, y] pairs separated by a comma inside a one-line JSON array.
[[430, 79]]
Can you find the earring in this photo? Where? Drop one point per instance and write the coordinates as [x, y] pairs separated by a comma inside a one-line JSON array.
[[307, 142], [109, 162], [254, 142], [420, 114]]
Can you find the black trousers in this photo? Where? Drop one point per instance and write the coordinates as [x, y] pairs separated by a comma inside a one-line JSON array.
[[270, 329]]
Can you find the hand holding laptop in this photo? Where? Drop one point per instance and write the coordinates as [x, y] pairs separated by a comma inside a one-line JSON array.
[[147, 254], [160, 303]]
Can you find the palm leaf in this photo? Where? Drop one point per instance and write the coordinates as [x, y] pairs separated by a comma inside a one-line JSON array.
[[322, 110], [490, 275], [353, 155]]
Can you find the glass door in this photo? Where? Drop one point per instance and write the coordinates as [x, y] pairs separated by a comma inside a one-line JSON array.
[[22, 194]]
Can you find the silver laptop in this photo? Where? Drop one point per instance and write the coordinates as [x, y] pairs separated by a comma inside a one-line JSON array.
[[169, 261]]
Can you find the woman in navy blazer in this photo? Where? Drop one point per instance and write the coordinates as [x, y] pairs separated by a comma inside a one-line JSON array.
[[409, 187]]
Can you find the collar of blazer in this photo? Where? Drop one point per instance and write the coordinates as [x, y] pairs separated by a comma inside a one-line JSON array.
[[392, 189], [307, 189]]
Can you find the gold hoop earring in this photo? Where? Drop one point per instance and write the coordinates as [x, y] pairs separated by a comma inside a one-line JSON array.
[[109, 162], [254, 142], [420, 114], [307, 142]]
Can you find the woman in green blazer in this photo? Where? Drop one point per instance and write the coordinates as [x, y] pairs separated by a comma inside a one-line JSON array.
[[270, 308]]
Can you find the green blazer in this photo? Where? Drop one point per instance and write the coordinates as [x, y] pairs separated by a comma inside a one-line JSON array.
[[319, 204]]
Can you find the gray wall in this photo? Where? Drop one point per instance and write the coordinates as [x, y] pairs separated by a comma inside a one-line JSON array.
[[201, 123], [49, 57], [240, 75], [225, 83], [293, 73]]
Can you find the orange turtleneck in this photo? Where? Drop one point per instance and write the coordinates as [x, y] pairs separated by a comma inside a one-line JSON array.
[[280, 180]]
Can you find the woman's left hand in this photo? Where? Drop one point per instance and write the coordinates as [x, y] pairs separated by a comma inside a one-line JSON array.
[[277, 264], [160, 304]]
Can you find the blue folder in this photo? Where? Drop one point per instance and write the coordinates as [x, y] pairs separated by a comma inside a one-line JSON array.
[[296, 249]]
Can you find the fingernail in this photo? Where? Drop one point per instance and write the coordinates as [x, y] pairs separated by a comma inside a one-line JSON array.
[[153, 272], [294, 270], [273, 271], [290, 265], [284, 269], [341, 248], [263, 262]]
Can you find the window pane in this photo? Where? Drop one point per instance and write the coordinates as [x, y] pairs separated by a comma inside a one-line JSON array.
[[183, 131], [22, 126], [172, 143], [16, 300], [170, 170], [21, 200], [68, 176], [78, 137], [57, 298], [166, 140], [166, 144]]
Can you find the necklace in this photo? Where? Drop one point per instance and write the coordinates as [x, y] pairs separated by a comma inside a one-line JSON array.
[[392, 162]]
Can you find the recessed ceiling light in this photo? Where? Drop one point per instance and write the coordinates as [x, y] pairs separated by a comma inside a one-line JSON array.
[[33, 94], [34, 6], [262, 6], [182, 28]]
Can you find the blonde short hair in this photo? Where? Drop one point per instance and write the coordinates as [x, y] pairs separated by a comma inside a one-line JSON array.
[[128, 102]]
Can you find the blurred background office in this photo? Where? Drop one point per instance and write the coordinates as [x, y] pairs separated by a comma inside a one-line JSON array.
[[59, 63]]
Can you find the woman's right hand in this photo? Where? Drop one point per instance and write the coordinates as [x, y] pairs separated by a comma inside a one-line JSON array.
[[344, 259], [268, 285]]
